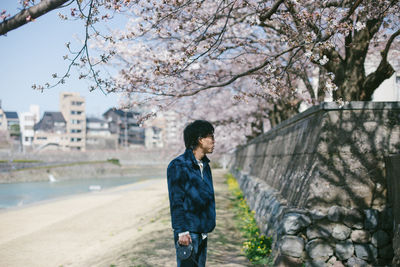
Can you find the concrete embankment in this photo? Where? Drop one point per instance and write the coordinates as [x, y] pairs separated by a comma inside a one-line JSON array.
[[79, 170], [25, 167]]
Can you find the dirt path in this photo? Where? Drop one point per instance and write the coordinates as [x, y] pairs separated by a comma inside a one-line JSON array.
[[156, 248], [124, 226]]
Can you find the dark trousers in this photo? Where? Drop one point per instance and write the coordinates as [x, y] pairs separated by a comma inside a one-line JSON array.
[[199, 251]]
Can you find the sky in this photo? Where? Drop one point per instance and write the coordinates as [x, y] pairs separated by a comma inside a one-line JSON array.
[[32, 53]]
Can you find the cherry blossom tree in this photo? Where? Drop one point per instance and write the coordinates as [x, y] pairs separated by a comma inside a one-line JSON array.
[[261, 58], [273, 54]]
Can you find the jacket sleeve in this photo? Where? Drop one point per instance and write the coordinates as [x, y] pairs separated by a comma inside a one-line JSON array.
[[176, 180]]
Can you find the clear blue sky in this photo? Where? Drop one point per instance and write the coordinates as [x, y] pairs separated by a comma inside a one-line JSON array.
[[31, 53]]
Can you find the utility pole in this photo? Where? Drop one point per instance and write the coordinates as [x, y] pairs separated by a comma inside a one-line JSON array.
[[126, 129]]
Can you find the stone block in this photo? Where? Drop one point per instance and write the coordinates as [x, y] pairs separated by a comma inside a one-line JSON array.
[[380, 238], [319, 249], [356, 262], [386, 252], [366, 252], [320, 230], [334, 262], [341, 232], [371, 219], [316, 263], [344, 249], [354, 217], [292, 246], [287, 261], [292, 223], [336, 213], [360, 236], [317, 215], [386, 219]]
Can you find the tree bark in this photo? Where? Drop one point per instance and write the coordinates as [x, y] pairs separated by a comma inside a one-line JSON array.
[[34, 12], [350, 77]]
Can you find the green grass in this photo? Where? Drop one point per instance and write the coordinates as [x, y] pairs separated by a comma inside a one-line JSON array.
[[257, 247], [114, 161], [64, 165], [20, 161]]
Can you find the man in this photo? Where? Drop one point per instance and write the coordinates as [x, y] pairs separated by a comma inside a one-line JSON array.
[[191, 192]]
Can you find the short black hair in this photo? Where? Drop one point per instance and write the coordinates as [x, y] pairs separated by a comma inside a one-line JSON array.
[[196, 130]]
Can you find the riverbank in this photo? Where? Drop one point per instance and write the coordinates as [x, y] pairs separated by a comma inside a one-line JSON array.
[[79, 170], [123, 226]]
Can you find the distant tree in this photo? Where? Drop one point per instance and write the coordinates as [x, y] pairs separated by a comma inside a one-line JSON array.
[[15, 130]]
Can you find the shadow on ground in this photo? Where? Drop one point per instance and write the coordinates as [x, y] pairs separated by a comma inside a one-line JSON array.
[[157, 248]]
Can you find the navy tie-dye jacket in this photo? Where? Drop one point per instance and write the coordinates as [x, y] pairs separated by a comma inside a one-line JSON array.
[[191, 197]]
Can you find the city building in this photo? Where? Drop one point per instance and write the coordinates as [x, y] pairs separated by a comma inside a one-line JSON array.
[[72, 107], [13, 124], [125, 125], [174, 126], [3, 129], [3, 120], [153, 137], [50, 132], [99, 136], [27, 123]]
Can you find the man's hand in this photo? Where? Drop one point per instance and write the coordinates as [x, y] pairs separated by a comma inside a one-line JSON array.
[[185, 240]]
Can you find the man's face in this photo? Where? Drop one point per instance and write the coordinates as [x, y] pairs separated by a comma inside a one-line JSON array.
[[207, 143]]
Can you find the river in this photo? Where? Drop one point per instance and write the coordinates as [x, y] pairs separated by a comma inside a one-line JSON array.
[[19, 194]]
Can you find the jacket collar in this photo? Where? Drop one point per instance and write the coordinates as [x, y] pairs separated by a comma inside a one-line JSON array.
[[189, 156]]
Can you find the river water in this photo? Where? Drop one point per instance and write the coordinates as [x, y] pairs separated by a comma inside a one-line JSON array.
[[19, 194]]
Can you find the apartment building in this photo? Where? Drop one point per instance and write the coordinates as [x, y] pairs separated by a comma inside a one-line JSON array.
[[27, 123], [3, 120], [13, 124], [99, 136], [72, 107], [3, 129], [174, 125], [126, 126], [50, 132]]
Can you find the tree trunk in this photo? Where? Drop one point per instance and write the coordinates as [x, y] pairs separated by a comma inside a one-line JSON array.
[[29, 14]]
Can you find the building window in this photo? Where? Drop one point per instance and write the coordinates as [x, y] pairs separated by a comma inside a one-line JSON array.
[[398, 80], [41, 138], [76, 103], [76, 130], [76, 121], [76, 112]]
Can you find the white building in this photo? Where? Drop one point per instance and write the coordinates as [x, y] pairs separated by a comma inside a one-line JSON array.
[[389, 90], [153, 137], [27, 123]]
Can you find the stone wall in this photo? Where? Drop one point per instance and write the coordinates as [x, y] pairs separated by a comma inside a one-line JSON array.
[[317, 183], [393, 180]]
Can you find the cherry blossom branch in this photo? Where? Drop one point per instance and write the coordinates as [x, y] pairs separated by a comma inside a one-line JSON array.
[[267, 15], [29, 14], [385, 52]]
